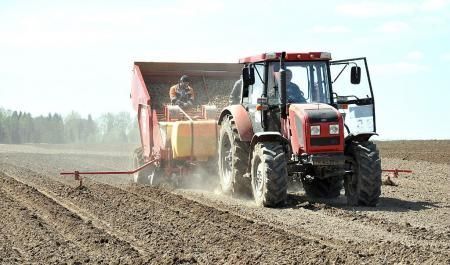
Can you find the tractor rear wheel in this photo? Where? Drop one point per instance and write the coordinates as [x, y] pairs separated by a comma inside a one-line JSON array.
[[363, 186], [269, 174], [233, 157], [328, 188], [142, 176]]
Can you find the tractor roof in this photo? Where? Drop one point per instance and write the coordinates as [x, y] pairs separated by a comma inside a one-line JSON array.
[[294, 56]]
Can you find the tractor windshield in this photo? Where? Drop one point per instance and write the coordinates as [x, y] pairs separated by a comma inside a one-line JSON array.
[[307, 82]]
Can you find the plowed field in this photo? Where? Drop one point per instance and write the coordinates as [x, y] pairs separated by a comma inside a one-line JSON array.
[[46, 219]]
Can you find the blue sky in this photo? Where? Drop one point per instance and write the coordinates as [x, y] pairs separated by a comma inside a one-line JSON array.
[[58, 56]]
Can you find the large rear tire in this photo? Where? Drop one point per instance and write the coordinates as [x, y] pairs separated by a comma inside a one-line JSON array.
[[233, 157], [363, 186], [269, 174], [328, 188]]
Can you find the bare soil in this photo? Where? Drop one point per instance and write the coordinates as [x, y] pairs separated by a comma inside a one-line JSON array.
[[437, 151], [46, 219]]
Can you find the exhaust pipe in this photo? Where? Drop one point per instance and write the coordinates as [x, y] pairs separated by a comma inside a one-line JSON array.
[[283, 85]]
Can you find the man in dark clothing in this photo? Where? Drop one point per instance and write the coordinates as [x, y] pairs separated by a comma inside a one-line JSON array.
[[293, 92]]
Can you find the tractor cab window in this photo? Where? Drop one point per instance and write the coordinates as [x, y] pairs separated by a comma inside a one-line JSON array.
[[307, 82], [257, 89]]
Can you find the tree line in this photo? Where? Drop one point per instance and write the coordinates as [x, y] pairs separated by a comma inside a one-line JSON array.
[[18, 127]]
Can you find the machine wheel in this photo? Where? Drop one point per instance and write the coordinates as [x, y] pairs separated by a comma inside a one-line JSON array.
[[323, 188], [233, 157], [142, 176], [269, 174], [363, 186], [154, 174]]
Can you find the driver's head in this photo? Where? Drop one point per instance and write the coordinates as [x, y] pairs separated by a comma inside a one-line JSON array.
[[184, 81], [276, 72], [288, 75]]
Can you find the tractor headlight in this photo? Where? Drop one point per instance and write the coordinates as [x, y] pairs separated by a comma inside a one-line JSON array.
[[334, 129], [315, 130]]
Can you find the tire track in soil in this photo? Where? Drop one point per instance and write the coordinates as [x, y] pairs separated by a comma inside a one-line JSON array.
[[90, 218], [186, 204], [26, 238], [197, 240], [107, 210], [9, 253], [403, 232], [419, 234], [95, 244], [320, 211]]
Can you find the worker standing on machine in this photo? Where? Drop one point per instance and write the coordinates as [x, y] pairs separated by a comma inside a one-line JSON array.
[[182, 94]]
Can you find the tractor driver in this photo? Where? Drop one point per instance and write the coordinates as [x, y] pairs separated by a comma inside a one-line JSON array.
[[182, 94], [293, 92]]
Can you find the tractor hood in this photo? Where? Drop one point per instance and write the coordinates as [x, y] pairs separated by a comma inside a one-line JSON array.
[[314, 128]]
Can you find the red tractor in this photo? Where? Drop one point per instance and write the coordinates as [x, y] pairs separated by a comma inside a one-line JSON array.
[[298, 119]]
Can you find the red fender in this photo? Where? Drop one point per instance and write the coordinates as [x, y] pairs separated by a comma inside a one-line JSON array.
[[241, 119]]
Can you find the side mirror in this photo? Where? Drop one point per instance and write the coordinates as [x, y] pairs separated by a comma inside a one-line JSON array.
[[355, 75], [248, 76]]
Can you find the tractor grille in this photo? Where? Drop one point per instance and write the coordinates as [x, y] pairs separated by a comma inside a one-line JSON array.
[[323, 141]]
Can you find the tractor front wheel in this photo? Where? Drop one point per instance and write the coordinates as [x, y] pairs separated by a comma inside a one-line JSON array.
[[269, 174], [363, 185]]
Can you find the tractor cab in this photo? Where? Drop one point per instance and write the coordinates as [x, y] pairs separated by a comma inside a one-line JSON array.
[[309, 78]]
